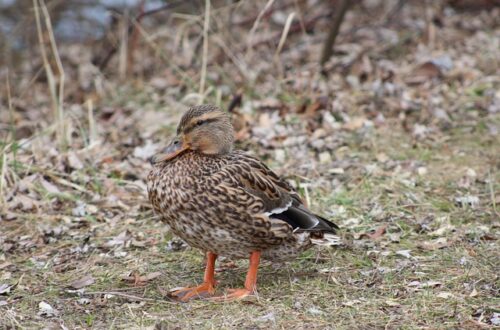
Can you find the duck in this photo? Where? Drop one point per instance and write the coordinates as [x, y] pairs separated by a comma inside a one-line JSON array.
[[228, 203]]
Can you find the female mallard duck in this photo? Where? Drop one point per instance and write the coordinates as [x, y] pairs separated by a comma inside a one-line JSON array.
[[228, 203]]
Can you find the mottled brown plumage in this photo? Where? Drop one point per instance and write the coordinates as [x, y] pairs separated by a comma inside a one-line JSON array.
[[226, 202]]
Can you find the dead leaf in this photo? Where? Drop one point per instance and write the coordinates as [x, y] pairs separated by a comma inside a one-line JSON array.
[[376, 234], [443, 230], [4, 288], [139, 280], [82, 282], [5, 265], [404, 253], [436, 244], [392, 303], [354, 124], [351, 303], [51, 188], [424, 72], [46, 310], [469, 200], [73, 161], [445, 295], [473, 293], [120, 239], [24, 203], [428, 284]]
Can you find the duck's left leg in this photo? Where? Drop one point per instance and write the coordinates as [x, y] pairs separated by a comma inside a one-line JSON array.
[[250, 282], [204, 290]]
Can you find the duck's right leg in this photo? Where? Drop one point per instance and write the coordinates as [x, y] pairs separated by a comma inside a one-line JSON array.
[[204, 290]]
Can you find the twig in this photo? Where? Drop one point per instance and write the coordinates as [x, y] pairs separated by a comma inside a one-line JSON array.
[[122, 59], [126, 295], [56, 95], [284, 34], [43, 51], [394, 11], [92, 126], [206, 25], [134, 38], [492, 194], [2, 179], [112, 51], [60, 68], [238, 62], [255, 25], [159, 51], [334, 31], [294, 28]]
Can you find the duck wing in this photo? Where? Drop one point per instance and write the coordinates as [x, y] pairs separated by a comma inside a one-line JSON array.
[[273, 197]]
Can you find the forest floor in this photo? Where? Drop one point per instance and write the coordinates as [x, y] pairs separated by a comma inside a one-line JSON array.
[[398, 144]]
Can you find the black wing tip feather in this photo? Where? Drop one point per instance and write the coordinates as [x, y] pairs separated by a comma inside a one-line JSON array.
[[331, 224], [301, 219]]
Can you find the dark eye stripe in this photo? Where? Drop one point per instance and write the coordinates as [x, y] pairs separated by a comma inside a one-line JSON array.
[[198, 123]]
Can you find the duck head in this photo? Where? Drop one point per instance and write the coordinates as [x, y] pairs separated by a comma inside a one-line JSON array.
[[205, 129]]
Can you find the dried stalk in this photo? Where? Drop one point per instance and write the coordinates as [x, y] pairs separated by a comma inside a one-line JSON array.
[[57, 94], [334, 31], [206, 25]]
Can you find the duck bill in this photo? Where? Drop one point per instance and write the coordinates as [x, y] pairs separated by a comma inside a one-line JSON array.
[[170, 152]]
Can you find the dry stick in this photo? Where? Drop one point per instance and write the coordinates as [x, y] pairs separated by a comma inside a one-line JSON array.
[[2, 180], [237, 61], [125, 295], [284, 34], [11, 109], [334, 31], [122, 59], [60, 99], [254, 27], [430, 28], [186, 78], [394, 11], [112, 51], [92, 127], [134, 38], [281, 43], [296, 27], [203, 76], [492, 194], [46, 64], [5, 147]]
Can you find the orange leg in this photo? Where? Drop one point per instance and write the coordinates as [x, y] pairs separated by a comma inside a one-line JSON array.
[[206, 289], [250, 282]]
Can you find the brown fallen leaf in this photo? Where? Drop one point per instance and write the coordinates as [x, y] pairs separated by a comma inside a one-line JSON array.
[[139, 280], [82, 282], [51, 188], [376, 234], [354, 124], [436, 244], [424, 72], [5, 265]]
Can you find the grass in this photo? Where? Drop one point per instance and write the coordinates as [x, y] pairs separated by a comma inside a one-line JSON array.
[[365, 284]]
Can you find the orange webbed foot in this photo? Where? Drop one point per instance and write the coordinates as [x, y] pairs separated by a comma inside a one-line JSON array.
[[233, 295], [250, 282], [202, 291]]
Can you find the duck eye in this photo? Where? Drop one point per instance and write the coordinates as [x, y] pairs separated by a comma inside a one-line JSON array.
[[199, 122]]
